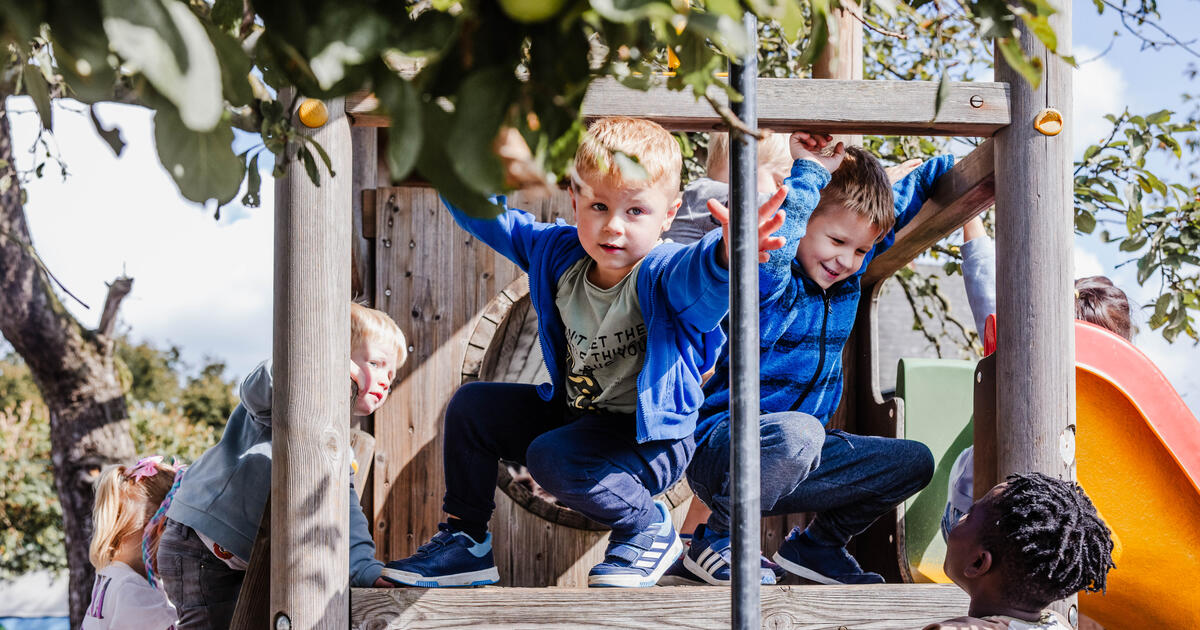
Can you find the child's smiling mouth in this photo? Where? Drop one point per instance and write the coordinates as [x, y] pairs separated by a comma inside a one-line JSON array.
[[611, 248]]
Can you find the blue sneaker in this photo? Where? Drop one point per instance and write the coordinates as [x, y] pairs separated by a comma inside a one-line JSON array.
[[709, 556], [679, 575], [641, 559], [821, 563], [450, 558]]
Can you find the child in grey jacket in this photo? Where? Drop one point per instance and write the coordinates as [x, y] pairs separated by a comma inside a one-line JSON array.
[[214, 514]]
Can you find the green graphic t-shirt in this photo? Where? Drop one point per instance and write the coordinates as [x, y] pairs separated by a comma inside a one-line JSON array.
[[606, 339]]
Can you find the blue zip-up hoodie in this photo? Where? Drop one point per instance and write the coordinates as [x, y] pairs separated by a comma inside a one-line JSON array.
[[224, 493], [683, 293], [803, 328]]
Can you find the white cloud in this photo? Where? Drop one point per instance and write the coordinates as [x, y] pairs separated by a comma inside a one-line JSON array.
[[202, 284], [1100, 89], [1086, 263]]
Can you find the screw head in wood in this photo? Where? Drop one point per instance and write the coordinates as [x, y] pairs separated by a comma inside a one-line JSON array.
[[1048, 122], [282, 622], [976, 101]]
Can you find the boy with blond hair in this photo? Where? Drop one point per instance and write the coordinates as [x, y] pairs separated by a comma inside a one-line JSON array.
[[213, 515], [627, 326], [841, 213], [694, 219]]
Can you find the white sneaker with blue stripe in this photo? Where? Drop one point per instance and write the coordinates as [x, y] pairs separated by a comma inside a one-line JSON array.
[[639, 560]]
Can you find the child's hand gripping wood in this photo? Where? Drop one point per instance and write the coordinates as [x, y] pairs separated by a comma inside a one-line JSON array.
[[814, 146], [770, 219]]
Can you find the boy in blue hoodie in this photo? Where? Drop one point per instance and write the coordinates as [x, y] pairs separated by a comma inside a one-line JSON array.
[[627, 325], [842, 213]]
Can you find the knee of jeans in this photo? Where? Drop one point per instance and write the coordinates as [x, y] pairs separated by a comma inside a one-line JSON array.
[[551, 462], [461, 410], [795, 441], [919, 461]]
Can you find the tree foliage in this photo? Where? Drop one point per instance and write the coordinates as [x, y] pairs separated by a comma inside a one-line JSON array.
[[31, 532]]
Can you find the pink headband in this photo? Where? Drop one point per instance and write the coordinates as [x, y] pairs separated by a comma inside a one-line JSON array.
[[146, 467]]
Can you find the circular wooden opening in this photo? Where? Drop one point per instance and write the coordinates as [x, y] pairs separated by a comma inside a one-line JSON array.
[[504, 347]]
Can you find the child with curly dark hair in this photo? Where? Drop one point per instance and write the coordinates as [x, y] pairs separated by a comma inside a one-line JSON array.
[[1028, 542]]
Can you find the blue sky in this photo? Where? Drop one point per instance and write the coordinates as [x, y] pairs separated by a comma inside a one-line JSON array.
[[206, 285]]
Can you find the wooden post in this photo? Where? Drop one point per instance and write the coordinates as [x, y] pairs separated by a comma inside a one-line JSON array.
[[364, 171], [310, 446], [843, 55], [1035, 362]]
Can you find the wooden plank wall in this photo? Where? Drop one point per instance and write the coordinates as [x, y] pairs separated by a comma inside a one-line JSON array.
[[434, 280]]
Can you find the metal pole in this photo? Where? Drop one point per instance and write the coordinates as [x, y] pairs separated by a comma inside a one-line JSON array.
[[743, 360]]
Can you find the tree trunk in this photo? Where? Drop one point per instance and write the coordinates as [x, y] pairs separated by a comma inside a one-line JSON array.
[[72, 367]]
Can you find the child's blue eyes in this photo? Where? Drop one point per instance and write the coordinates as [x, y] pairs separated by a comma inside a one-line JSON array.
[[636, 211]]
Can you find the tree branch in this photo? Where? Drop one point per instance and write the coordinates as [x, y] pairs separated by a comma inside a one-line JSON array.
[[117, 290]]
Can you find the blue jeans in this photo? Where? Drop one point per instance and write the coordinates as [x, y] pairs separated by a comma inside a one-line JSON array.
[[203, 589], [592, 463], [848, 480]]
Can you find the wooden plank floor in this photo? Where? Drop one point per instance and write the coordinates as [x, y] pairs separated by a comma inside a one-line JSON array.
[[878, 607]]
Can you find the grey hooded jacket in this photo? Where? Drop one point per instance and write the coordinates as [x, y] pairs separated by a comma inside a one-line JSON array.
[[224, 493]]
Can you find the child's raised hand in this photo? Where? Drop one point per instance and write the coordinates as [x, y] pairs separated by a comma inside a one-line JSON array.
[[770, 219], [899, 171], [814, 146]]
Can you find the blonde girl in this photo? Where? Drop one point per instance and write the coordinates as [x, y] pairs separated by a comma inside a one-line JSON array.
[[122, 595]]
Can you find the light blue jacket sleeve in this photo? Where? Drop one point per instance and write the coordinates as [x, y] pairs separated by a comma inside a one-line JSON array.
[[513, 234], [804, 192], [979, 278], [695, 284], [364, 567]]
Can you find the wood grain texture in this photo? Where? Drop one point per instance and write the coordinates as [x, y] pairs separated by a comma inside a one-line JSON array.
[[436, 281], [786, 105], [310, 446], [877, 607], [1035, 354], [842, 57], [967, 190]]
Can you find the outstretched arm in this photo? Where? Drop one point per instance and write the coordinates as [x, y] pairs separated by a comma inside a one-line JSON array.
[[770, 219]]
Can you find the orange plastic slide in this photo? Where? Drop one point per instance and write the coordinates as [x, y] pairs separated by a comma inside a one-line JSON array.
[[1138, 454]]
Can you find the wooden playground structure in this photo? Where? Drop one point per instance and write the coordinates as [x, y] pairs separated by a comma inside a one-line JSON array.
[[461, 306]]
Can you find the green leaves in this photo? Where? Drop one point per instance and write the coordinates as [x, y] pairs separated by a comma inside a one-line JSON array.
[[1158, 220], [35, 86], [166, 43], [1029, 69], [406, 133], [201, 163]]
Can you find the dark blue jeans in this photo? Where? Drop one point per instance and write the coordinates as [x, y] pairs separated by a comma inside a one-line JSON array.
[[848, 480], [592, 464]]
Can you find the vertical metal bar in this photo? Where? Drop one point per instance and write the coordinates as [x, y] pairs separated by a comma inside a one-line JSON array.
[[743, 367]]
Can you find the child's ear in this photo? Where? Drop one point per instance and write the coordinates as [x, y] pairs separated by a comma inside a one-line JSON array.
[[980, 564], [672, 210]]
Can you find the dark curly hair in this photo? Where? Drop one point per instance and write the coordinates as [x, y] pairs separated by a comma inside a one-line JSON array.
[[1047, 539]]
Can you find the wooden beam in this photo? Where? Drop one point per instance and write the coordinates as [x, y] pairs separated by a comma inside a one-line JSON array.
[[310, 447], [1035, 236], [874, 607], [967, 190], [786, 105]]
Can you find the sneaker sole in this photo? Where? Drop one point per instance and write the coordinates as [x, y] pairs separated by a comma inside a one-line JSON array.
[[636, 581], [472, 578], [678, 580], [803, 571]]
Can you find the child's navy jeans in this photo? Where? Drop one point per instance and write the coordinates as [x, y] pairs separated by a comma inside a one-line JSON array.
[[848, 480], [591, 463]]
